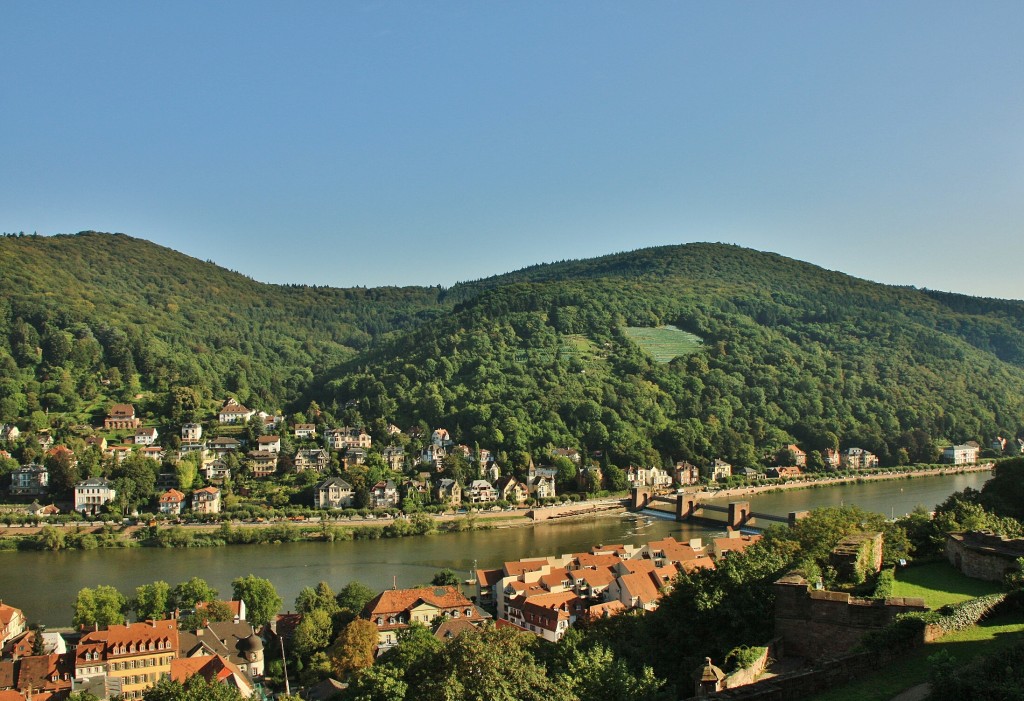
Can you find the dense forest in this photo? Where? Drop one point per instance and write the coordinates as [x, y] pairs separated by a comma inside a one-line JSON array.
[[790, 352]]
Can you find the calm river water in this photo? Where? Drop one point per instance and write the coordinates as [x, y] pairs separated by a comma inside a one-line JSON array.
[[45, 584]]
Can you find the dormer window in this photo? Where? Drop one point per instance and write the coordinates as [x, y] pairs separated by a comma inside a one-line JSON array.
[[380, 620], [469, 612]]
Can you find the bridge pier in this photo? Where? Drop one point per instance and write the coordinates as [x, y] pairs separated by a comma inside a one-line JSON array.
[[739, 514], [685, 506], [639, 498], [795, 516]]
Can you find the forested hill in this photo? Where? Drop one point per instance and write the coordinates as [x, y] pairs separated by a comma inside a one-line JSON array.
[[790, 352], [77, 310], [775, 350]]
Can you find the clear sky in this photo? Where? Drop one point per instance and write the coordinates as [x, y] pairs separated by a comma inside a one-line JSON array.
[[390, 143]]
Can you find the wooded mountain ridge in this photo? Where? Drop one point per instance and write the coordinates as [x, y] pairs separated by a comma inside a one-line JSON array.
[[544, 356]]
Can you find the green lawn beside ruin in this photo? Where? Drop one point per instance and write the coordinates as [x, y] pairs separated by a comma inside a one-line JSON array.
[[940, 584], [987, 638]]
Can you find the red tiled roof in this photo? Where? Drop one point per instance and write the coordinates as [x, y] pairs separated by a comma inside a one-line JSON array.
[[516, 568], [641, 586], [132, 635], [398, 600], [701, 563], [596, 578], [634, 566], [211, 667], [592, 560], [735, 543], [489, 578], [609, 608], [7, 613]]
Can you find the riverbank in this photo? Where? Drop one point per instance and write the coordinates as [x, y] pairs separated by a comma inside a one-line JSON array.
[[837, 481], [92, 536]]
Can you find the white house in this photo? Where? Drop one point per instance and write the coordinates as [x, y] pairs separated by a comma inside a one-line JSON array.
[[269, 444], [145, 436], [232, 412], [92, 494], [481, 492], [191, 432], [960, 454], [333, 493]]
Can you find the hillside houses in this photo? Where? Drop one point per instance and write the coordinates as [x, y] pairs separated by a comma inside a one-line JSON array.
[[31, 480], [315, 459], [206, 500], [333, 493], [858, 459], [234, 413], [121, 417], [966, 454], [346, 437]]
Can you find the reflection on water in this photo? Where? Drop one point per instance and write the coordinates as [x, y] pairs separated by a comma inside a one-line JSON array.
[[405, 562]]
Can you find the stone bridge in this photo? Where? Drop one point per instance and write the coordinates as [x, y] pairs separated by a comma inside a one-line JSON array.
[[689, 507]]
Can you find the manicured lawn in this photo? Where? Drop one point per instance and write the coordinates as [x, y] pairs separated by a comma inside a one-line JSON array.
[[664, 342], [939, 584], [988, 638]]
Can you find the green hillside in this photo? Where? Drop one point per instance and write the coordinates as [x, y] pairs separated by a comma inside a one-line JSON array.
[[547, 355], [77, 311], [791, 352]]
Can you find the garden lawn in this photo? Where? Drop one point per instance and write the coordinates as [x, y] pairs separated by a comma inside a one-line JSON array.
[[940, 584], [987, 638]]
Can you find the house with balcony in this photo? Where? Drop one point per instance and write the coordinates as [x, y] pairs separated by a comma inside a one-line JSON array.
[[965, 454], [333, 493], [315, 459], [30, 481], [93, 494], [206, 500], [171, 502], [121, 417]]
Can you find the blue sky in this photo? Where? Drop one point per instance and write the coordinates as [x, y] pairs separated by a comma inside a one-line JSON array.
[[389, 143]]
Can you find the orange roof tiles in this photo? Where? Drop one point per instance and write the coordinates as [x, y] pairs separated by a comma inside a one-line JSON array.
[[516, 568], [397, 600]]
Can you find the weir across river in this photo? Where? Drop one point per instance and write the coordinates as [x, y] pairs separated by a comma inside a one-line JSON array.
[[688, 506]]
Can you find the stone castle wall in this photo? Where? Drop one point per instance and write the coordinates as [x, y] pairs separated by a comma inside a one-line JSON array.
[[983, 555], [818, 624]]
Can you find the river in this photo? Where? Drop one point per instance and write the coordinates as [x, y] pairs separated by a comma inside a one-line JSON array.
[[44, 584]]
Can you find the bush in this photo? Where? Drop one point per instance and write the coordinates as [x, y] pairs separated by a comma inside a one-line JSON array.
[[885, 583], [743, 656]]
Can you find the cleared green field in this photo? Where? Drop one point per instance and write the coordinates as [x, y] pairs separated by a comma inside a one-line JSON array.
[[663, 343]]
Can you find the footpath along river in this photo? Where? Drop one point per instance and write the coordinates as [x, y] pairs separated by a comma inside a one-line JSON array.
[[44, 584]]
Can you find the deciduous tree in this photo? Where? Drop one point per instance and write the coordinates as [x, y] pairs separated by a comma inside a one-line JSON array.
[[102, 606], [262, 601]]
